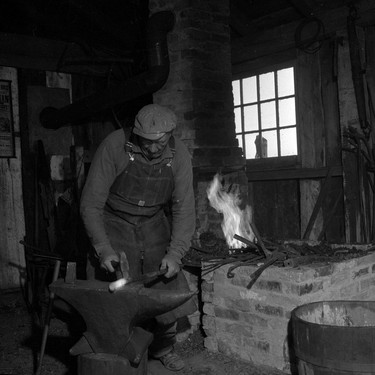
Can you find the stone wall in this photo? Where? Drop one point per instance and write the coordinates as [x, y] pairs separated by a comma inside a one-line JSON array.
[[254, 324]]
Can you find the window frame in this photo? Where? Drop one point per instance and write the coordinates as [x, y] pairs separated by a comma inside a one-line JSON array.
[[278, 162]]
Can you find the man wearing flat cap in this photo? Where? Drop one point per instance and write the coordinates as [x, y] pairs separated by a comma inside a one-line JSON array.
[[132, 179]]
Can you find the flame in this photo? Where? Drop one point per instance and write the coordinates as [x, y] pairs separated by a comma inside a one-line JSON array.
[[235, 220]]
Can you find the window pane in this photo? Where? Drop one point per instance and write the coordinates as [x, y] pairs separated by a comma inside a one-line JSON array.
[[271, 139], [250, 146], [238, 119], [265, 114], [236, 92], [251, 117], [268, 115], [287, 112], [288, 141], [285, 82], [239, 139], [267, 86], [249, 90]]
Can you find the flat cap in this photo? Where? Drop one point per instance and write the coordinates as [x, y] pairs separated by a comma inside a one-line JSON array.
[[153, 121]]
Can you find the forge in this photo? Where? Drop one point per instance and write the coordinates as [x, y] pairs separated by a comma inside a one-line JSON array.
[[254, 323], [114, 343], [249, 294]]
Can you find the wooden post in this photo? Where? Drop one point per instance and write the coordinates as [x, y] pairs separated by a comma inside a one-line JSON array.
[[348, 117]]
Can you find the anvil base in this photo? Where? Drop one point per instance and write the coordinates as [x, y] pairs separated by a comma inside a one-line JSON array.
[[109, 364]]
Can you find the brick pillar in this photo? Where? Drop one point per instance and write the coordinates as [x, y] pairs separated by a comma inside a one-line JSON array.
[[199, 90]]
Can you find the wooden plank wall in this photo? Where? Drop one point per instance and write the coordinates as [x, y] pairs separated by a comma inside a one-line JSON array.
[[12, 223], [333, 219], [327, 106]]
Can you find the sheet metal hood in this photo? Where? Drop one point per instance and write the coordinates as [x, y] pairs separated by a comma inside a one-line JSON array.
[[148, 82]]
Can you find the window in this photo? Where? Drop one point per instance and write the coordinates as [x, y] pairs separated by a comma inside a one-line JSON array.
[[265, 114]]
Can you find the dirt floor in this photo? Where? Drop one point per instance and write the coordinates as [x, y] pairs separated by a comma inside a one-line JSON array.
[[20, 344]]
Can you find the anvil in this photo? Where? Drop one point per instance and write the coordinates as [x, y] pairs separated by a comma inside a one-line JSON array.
[[112, 319]]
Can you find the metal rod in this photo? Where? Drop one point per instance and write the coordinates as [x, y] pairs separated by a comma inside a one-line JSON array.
[[266, 252], [245, 241], [41, 253]]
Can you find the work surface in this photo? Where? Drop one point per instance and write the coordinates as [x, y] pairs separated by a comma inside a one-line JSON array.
[[19, 342]]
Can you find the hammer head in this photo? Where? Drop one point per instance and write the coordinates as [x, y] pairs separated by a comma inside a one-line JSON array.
[[147, 277]]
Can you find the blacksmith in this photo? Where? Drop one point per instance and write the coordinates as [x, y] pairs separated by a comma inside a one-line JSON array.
[[134, 179]]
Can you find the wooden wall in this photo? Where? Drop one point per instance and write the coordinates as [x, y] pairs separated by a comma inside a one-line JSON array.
[[12, 222], [325, 193]]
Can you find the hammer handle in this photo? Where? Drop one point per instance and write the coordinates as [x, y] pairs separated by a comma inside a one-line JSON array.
[[149, 276]]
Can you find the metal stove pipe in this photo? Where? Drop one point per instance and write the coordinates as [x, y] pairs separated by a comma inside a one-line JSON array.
[[148, 82]]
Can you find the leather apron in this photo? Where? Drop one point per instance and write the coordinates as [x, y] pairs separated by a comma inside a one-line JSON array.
[[136, 224]]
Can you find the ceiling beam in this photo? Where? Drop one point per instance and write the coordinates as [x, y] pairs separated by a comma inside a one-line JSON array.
[[21, 51], [239, 22], [305, 7], [105, 23]]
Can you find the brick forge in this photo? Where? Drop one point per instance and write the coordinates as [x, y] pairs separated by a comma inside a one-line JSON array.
[[254, 324]]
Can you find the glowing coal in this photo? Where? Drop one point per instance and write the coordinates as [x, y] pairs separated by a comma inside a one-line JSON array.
[[236, 220]]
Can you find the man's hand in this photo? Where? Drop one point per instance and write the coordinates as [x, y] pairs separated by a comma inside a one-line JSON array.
[[172, 266], [106, 262]]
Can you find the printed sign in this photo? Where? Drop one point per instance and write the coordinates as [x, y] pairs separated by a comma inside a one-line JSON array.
[[6, 121]]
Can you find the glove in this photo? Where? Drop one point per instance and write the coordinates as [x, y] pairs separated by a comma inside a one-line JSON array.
[[172, 265]]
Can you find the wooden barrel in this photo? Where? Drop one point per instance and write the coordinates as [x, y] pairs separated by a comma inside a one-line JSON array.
[[334, 337]]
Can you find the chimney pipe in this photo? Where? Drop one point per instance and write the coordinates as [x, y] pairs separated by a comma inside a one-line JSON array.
[[148, 82]]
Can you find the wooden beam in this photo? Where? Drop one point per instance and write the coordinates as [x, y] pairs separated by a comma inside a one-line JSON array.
[[21, 51], [293, 174], [318, 204], [282, 38], [103, 22], [305, 7], [239, 22]]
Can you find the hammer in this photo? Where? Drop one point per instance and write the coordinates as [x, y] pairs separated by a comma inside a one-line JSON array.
[[120, 283]]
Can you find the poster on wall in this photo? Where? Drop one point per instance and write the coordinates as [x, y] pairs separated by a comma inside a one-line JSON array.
[[7, 149]]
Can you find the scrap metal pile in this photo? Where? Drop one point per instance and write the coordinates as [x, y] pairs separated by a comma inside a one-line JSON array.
[[213, 253]]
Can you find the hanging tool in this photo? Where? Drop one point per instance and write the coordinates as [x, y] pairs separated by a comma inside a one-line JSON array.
[[357, 71], [46, 199], [56, 271]]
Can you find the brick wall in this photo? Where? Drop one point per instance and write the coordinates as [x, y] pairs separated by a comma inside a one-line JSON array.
[[199, 86], [254, 324]]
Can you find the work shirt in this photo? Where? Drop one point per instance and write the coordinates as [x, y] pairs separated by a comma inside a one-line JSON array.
[[109, 162]]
